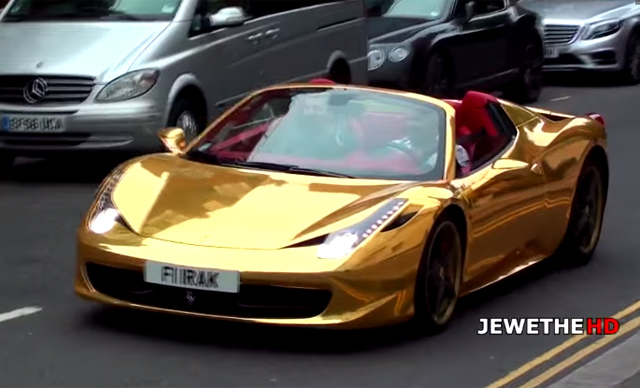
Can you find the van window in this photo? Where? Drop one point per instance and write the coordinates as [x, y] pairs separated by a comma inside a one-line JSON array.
[[81, 10], [261, 8]]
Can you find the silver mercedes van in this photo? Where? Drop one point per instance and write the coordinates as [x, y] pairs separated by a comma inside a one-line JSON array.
[[90, 75]]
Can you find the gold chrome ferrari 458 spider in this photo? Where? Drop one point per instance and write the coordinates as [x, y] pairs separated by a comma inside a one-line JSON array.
[[342, 206]]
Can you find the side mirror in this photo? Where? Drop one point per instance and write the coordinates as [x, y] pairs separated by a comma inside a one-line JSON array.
[[469, 11], [173, 139], [228, 17]]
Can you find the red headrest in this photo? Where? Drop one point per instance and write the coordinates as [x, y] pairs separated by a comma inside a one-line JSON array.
[[477, 100], [321, 81]]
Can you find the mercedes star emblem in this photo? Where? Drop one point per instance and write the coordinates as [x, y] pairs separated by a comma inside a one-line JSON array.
[[190, 297], [35, 90]]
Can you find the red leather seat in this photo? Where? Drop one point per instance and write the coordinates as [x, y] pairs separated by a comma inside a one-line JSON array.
[[474, 122], [321, 81]]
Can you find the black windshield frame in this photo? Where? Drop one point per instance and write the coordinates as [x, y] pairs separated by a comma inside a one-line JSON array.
[[197, 150]]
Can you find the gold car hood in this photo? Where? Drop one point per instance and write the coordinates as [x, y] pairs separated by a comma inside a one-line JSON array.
[[169, 198]]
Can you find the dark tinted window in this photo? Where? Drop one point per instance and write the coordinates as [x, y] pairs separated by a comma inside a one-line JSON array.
[[26, 10]]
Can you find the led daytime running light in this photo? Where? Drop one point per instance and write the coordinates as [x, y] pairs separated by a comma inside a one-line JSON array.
[[345, 241]]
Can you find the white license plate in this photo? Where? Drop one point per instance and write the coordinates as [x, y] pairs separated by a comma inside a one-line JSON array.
[[193, 278], [33, 124], [551, 52]]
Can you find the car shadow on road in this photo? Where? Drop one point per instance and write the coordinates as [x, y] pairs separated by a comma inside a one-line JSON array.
[[186, 330], [85, 169], [584, 80]]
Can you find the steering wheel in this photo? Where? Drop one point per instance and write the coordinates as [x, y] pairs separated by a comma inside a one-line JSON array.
[[405, 150]]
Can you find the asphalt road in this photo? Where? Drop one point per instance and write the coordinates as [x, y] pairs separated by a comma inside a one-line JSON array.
[[71, 342]]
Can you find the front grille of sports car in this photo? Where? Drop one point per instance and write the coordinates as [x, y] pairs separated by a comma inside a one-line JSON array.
[[253, 301], [557, 34], [59, 90]]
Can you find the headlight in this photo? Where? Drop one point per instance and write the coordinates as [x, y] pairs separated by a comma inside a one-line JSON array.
[[398, 54], [602, 29], [104, 215], [376, 58], [129, 86], [341, 243]]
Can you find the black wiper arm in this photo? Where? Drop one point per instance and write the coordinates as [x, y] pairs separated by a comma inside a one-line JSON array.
[[315, 171], [117, 15], [289, 168]]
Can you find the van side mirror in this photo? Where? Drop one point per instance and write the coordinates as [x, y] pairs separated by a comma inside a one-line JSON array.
[[227, 17], [469, 11], [173, 139]]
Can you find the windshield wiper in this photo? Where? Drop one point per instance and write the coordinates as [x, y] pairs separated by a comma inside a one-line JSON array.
[[118, 15], [289, 168]]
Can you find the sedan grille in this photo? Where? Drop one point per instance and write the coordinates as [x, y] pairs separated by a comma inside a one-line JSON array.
[[556, 34], [44, 90]]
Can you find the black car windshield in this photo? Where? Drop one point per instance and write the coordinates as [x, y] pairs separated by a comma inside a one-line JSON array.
[[340, 132], [80, 10], [416, 9]]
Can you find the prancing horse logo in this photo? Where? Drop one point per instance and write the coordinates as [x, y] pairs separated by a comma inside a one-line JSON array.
[[190, 297]]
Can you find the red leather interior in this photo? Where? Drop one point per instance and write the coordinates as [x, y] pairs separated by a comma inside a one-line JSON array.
[[321, 81], [472, 118], [377, 129]]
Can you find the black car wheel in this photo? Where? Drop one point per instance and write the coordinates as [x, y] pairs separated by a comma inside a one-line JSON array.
[[439, 278], [528, 86], [631, 71], [586, 218], [438, 78], [6, 161]]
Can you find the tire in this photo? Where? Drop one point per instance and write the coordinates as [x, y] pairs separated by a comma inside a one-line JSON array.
[[433, 312], [586, 217], [6, 162], [340, 74], [528, 84], [631, 70], [185, 114], [437, 80]]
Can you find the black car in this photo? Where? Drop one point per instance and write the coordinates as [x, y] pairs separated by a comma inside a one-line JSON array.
[[444, 47]]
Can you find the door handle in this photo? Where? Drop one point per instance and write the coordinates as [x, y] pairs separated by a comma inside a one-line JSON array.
[[272, 33], [255, 38]]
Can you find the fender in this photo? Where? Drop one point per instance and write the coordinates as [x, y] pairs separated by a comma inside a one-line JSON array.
[[184, 80]]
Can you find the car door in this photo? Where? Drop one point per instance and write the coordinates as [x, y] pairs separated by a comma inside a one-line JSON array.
[[506, 211], [307, 36], [482, 44], [226, 61]]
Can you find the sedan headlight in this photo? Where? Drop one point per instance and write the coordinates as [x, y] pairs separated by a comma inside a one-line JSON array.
[[602, 29], [376, 58], [398, 54], [343, 242], [104, 215], [129, 86]]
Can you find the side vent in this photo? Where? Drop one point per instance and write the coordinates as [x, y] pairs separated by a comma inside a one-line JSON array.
[[398, 222], [309, 243]]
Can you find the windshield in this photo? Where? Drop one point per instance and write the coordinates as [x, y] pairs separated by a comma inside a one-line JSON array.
[[415, 9], [80, 10], [334, 132]]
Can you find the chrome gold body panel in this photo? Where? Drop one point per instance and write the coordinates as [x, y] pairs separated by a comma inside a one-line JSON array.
[[263, 224]]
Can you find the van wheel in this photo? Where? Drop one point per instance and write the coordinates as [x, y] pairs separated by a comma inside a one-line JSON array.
[[185, 114], [6, 162], [439, 277]]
